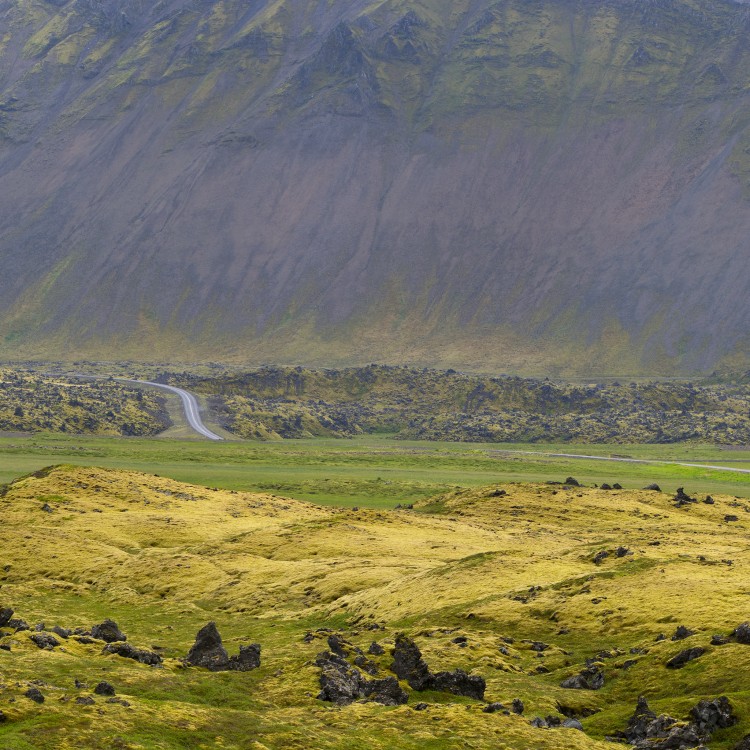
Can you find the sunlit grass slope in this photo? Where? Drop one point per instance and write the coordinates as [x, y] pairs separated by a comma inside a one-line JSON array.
[[163, 558]]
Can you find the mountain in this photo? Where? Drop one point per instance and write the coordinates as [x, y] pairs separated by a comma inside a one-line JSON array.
[[524, 185]]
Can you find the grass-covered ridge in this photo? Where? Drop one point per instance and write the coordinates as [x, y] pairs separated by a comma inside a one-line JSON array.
[[505, 572], [270, 403]]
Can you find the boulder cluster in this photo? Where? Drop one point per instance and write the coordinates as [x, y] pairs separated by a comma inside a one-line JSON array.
[[409, 665], [343, 668], [209, 652], [646, 730]]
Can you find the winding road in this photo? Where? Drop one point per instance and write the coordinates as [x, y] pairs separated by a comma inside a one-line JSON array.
[[189, 402]]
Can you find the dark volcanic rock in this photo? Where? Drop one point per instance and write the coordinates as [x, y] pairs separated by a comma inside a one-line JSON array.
[[119, 701], [517, 706], [247, 659], [62, 632], [681, 633], [85, 700], [682, 498], [104, 688], [459, 682], [742, 633], [35, 695], [376, 649], [709, 716], [209, 652], [689, 654], [342, 684], [719, 640], [573, 724], [44, 640], [130, 652], [5, 616], [361, 661], [591, 678], [665, 733], [646, 731], [653, 487], [386, 691], [743, 744], [18, 624], [408, 664], [639, 722], [338, 645], [108, 632]]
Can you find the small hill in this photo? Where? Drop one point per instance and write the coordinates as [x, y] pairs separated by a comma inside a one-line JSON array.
[[524, 586]]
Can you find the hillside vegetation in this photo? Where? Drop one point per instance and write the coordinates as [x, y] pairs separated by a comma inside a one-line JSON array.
[[273, 403], [496, 184], [524, 586], [33, 402]]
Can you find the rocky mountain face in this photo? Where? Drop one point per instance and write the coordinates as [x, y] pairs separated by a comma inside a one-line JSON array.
[[532, 185]]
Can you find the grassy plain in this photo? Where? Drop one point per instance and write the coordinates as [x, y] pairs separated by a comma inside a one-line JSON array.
[[374, 471]]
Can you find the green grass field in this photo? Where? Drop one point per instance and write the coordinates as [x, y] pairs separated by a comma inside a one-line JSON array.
[[375, 471]]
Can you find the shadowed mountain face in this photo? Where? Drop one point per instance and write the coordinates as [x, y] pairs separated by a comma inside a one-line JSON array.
[[548, 185]]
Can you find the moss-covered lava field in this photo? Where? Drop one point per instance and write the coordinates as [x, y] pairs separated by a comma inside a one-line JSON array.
[[522, 585]]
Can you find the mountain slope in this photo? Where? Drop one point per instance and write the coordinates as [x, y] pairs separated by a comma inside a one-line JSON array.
[[512, 185]]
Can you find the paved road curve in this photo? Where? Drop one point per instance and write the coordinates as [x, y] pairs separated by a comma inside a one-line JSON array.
[[190, 404]]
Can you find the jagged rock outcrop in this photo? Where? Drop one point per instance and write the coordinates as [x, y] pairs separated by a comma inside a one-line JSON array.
[[108, 631], [341, 683], [710, 715], [208, 651], [409, 665], [647, 731]]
